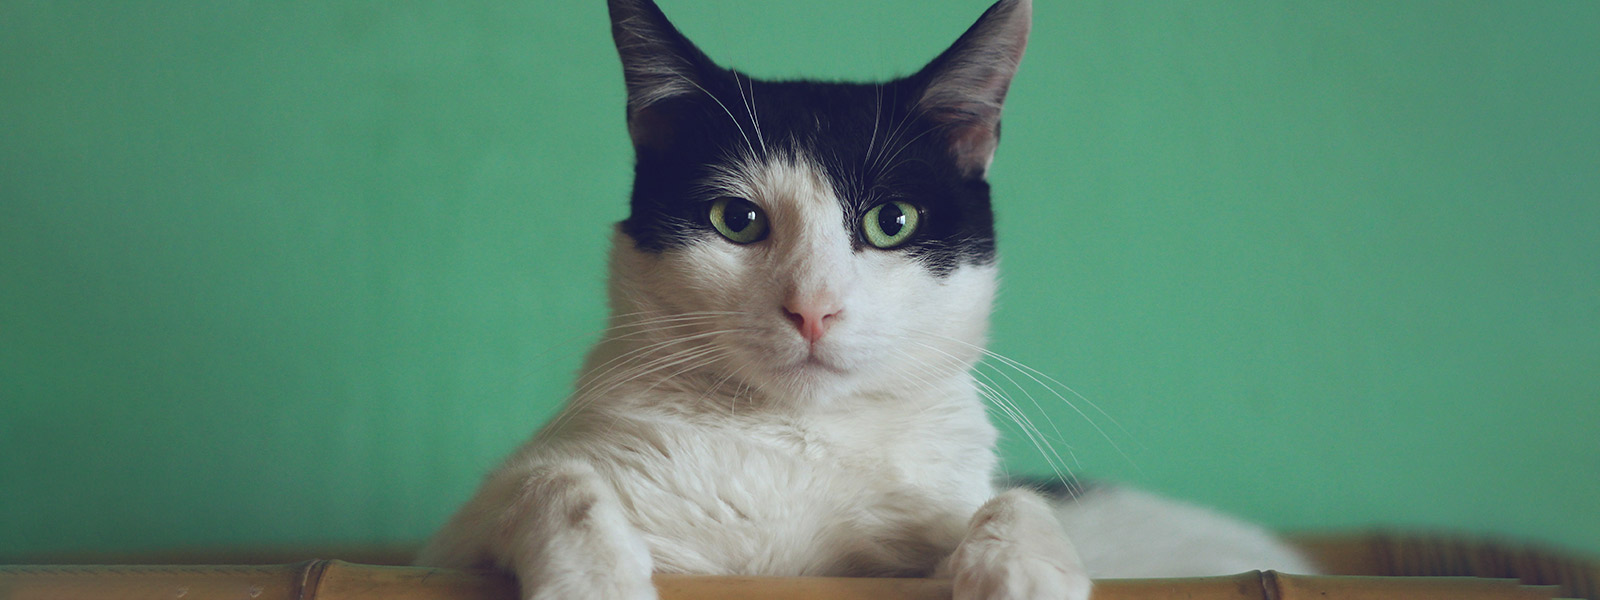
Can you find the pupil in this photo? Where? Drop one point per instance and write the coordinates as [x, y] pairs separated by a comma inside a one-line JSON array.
[[891, 219], [738, 215]]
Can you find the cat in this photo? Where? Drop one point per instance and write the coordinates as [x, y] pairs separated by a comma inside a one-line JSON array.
[[798, 296]]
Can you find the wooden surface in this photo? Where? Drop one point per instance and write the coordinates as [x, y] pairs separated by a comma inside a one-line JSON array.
[[1370, 566], [337, 580]]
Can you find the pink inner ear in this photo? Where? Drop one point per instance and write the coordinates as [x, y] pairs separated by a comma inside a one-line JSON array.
[[968, 83], [973, 146]]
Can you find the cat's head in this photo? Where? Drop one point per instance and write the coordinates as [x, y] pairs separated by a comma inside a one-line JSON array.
[[808, 239]]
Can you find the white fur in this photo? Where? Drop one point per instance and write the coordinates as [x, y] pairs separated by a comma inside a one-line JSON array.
[[1122, 532], [1014, 549], [706, 436]]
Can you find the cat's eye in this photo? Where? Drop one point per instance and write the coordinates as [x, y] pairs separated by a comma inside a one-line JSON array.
[[739, 220], [890, 224]]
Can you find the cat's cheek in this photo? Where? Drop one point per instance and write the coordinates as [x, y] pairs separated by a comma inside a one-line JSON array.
[[970, 293], [710, 275]]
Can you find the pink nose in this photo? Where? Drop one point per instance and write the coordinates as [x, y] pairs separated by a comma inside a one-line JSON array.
[[812, 319]]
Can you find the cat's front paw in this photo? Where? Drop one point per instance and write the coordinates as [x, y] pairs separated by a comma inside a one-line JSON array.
[[1015, 550], [620, 575], [566, 537], [996, 570], [575, 585]]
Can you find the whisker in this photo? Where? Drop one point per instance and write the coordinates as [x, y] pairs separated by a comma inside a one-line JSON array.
[[1030, 372], [713, 353], [1060, 437], [750, 108], [908, 144], [652, 366], [603, 373], [1000, 399], [628, 356], [735, 120], [1004, 403], [645, 328], [690, 357], [877, 115], [896, 132], [718, 385], [567, 343], [1028, 395]]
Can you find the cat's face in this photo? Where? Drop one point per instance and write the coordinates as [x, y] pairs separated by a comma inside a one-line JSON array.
[[812, 239]]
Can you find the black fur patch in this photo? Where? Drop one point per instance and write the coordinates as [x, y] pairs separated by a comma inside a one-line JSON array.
[[865, 136], [1054, 488], [687, 116]]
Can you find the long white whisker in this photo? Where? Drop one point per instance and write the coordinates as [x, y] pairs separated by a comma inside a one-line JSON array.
[[1046, 450], [905, 145], [687, 319], [1030, 372], [1030, 398], [607, 373], [1004, 403], [750, 108], [718, 385], [896, 132], [1016, 415], [654, 326], [1060, 437], [623, 359], [877, 115], [697, 359], [660, 363]]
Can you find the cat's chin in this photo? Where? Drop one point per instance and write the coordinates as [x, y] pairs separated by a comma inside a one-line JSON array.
[[788, 359], [809, 379], [809, 372], [818, 366]]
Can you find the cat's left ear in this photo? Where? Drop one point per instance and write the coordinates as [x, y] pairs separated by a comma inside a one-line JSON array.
[[966, 85]]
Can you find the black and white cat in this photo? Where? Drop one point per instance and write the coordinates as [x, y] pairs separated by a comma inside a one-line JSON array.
[[798, 297]]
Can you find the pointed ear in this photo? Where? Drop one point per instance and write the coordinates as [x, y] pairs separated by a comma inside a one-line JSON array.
[[967, 83], [658, 63]]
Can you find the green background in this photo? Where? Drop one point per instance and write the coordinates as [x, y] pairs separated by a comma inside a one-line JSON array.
[[301, 272]]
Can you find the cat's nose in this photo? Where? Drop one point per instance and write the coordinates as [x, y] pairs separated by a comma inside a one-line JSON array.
[[812, 318]]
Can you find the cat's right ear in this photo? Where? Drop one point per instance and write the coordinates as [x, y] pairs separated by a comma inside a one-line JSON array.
[[967, 84], [658, 64]]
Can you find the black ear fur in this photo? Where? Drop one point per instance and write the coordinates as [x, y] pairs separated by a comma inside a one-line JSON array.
[[966, 85], [659, 64]]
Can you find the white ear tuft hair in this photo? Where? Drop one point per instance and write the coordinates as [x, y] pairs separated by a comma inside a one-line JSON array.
[[658, 63]]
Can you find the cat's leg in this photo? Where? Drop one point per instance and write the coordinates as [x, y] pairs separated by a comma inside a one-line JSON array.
[[562, 531], [1014, 550]]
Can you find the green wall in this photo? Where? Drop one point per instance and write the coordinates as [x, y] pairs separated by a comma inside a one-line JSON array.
[[285, 273]]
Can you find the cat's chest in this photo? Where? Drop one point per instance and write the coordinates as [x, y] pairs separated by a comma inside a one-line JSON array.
[[802, 497]]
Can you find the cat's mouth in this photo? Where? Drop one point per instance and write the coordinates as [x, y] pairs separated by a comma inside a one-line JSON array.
[[815, 364]]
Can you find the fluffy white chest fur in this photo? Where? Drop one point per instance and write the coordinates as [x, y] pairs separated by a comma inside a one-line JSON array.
[[861, 490], [798, 298]]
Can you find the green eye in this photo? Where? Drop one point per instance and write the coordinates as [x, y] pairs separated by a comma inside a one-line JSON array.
[[890, 224], [739, 220]]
